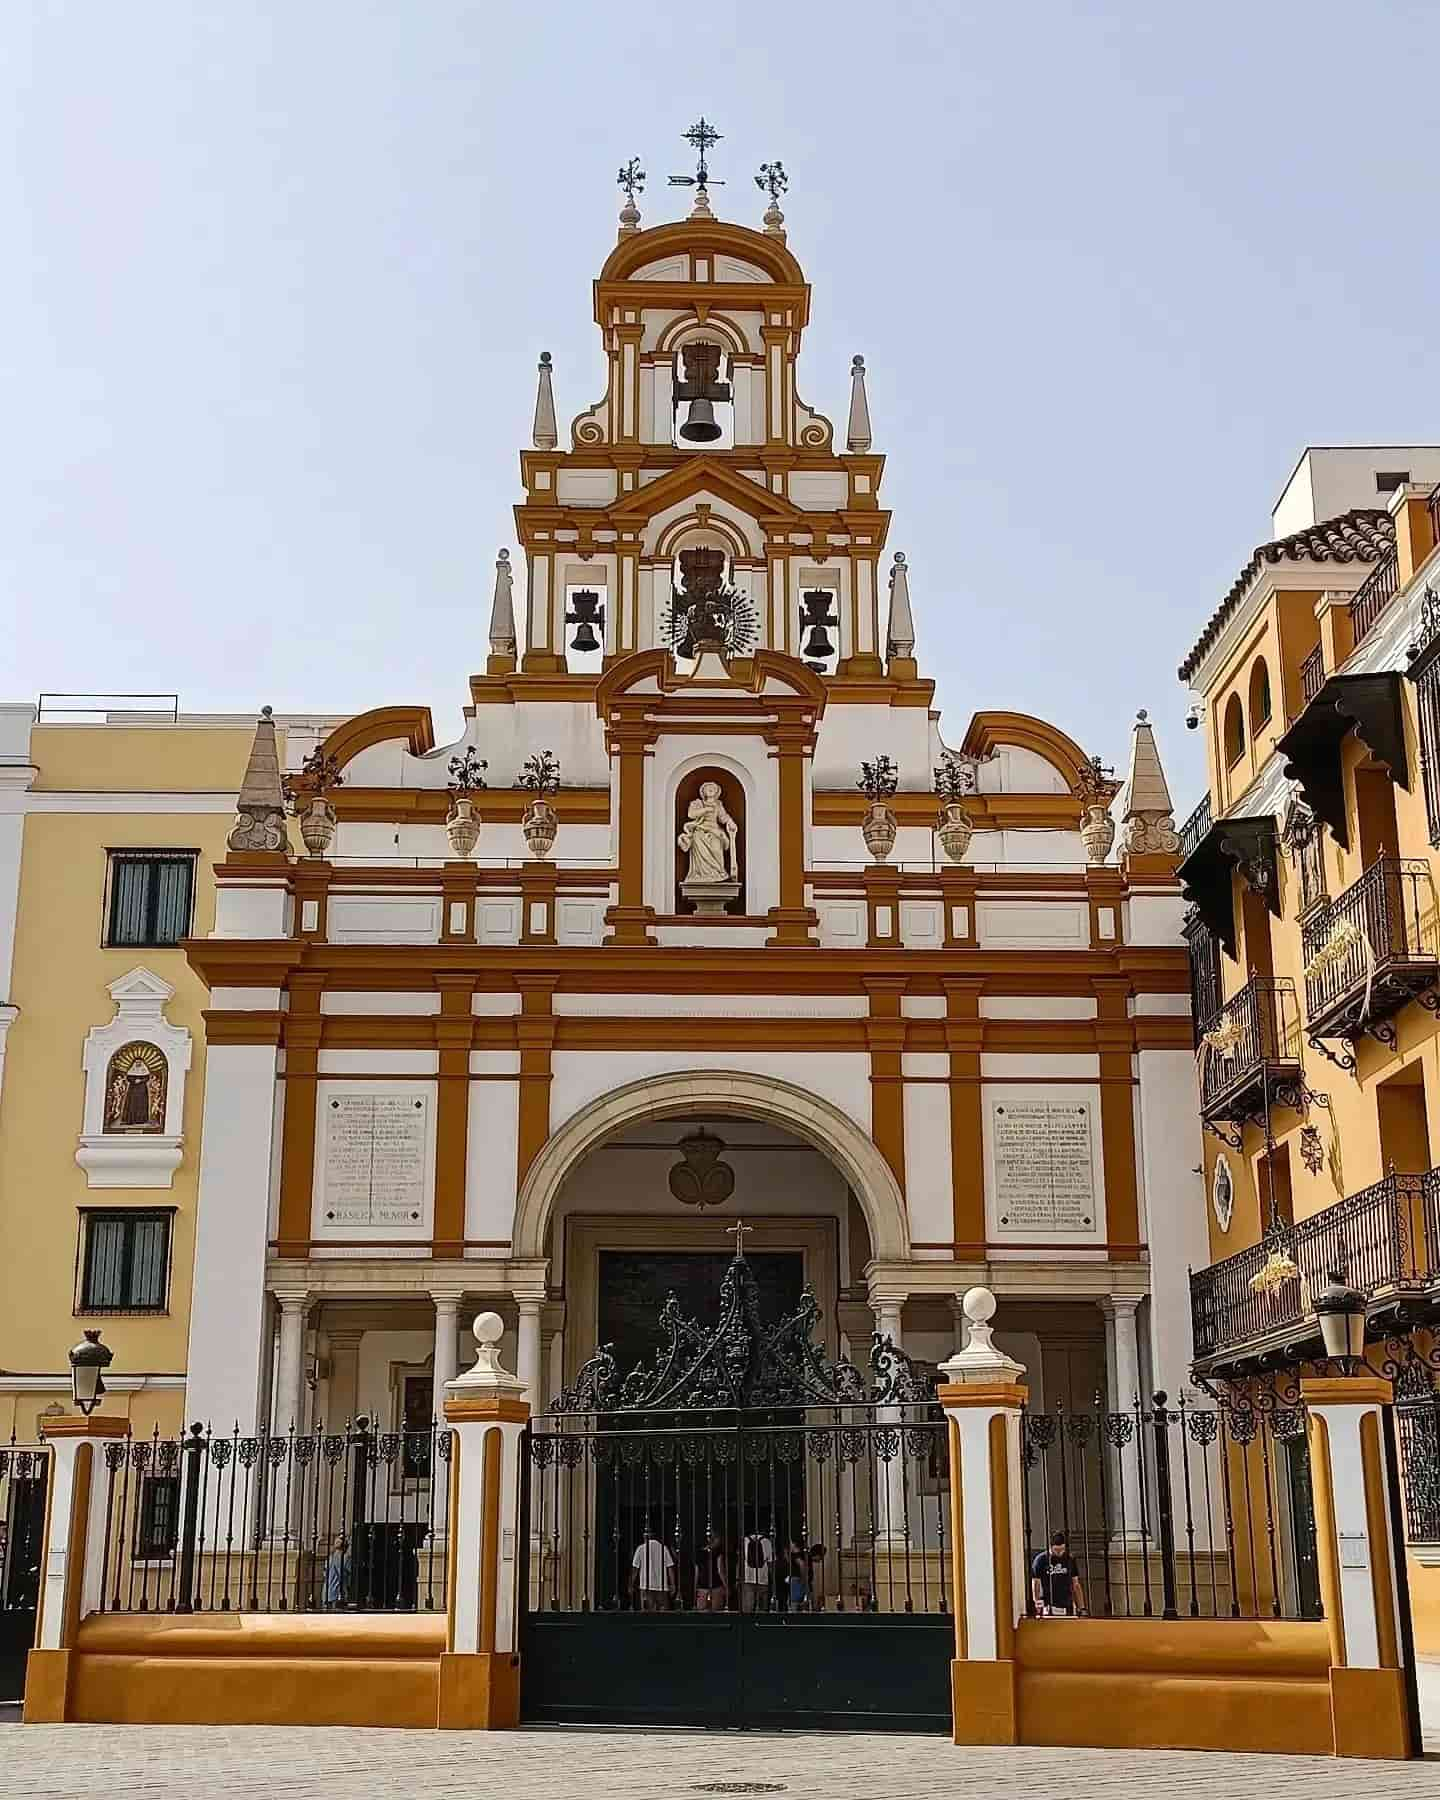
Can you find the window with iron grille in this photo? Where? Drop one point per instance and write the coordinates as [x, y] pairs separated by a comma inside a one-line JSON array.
[[151, 897], [158, 1527], [1204, 972], [1427, 706], [125, 1261]]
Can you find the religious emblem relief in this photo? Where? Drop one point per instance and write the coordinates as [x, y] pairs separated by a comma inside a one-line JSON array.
[[709, 839], [700, 1178], [1222, 1193], [135, 1089], [135, 1068], [707, 613]]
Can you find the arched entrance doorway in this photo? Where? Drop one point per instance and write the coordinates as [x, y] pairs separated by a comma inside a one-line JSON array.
[[734, 1512]]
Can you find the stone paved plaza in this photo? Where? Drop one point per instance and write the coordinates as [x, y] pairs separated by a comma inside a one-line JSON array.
[[75, 1762]]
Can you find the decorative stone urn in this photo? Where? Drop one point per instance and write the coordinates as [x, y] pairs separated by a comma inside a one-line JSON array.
[[878, 828], [462, 827], [1097, 833], [317, 825], [954, 828], [539, 823]]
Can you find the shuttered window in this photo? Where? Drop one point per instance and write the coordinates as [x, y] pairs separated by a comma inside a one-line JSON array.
[[151, 897], [126, 1260]]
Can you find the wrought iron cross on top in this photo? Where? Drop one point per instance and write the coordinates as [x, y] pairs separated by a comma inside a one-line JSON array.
[[739, 1231]]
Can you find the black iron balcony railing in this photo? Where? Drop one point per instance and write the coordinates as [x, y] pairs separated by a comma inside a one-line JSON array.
[[1252, 1045], [1370, 950], [1432, 506], [1195, 827], [1373, 595], [1312, 674], [1385, 1241]]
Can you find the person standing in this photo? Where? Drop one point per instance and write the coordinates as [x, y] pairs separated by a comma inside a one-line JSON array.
[[1055, 1581], [757, 1558], [712, 1582], [652, 1574]]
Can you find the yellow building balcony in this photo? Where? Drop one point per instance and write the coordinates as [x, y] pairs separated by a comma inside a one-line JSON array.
[[1369, 952], [1249, 1054], [1255, 1308]]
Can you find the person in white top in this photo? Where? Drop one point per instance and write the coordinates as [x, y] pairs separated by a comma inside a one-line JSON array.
[[757, 1557], [652, 1574]]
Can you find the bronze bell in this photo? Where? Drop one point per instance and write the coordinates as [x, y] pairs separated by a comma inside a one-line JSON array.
[[584, 615], [702, 387], [817, 617]]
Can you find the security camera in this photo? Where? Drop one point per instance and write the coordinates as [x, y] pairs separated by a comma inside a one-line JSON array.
[[1192, 718]]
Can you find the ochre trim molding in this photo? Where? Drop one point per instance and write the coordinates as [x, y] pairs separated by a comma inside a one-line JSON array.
[[988, 730], [379, 726]]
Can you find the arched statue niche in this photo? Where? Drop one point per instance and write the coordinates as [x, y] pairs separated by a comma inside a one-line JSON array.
[[705, 843], [135, 1087]]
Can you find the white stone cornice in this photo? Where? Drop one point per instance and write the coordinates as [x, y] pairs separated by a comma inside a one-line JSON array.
[[17, 777], [1269, 580]]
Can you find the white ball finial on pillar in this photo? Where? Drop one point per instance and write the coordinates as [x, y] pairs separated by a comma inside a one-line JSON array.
[[980, 1360], [487, 1375]]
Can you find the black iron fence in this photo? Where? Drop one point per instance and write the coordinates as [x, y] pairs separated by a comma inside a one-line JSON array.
[[790, 1510], [1171, 1510], [1258, 1028], [1384, 1239], [1196, 827], [24, 1472], [1417, 1421], [1312, 674], [351, 1520], [1361, 950], [1373, 595]]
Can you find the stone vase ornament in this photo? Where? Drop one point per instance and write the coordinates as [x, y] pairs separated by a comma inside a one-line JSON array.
[[878, 782], [317, 826], [878, 828], [539, 823], [1097, 833], [462, 827], [954, 829]]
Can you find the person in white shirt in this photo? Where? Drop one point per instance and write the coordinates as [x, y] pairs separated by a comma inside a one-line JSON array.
[[652, 1574], [757, 1557]]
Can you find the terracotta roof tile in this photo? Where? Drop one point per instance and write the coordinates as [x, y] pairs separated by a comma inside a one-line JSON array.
[[1364, 535]]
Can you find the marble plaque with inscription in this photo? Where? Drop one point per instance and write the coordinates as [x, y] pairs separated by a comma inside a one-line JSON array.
[[374, 1168], [1044, 1165]]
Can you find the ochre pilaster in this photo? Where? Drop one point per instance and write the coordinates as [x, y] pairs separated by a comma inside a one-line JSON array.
[[535, 1035], [297, 1151], [963, 1033], [1114, 1039], [885, 1034], [454, 1032]]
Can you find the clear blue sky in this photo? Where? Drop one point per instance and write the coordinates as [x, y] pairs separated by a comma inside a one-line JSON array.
[[277, 275]]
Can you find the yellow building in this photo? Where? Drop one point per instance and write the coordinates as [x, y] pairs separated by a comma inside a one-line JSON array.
[[1315, 954], [111, 822]]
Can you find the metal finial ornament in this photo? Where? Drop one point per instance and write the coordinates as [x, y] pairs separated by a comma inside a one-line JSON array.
[[631, 178], [773, 180], [703, 136]]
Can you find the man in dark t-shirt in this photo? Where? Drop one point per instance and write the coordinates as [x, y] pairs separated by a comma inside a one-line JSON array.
[[1055, 1581]]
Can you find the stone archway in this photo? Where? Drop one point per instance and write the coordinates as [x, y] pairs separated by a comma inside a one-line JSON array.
[[718, 1092]]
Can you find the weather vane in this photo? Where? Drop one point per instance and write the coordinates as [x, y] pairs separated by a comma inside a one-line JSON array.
[[631, 178], [772, 180], [704, 137]]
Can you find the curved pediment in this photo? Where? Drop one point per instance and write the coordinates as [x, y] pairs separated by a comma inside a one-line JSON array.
[[766, 675], [763, 258], [704, 474]]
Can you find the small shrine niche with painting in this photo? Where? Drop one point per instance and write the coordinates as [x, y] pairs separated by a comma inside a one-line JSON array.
[[135, 1089]]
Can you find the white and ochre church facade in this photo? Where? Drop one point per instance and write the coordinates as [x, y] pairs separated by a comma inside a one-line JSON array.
[[540, 1013], [703, 917]]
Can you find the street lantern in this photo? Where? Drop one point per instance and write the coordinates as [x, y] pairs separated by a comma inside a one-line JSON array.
[[1341, 1312], [88, 1363]]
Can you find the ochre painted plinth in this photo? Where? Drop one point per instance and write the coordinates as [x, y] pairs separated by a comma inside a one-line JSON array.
[[982, 1700], [1369, 1713], [480, 1692], [47, 1687]]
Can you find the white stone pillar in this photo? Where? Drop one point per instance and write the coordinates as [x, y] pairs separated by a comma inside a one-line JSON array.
[[447, 1346], [289, 1409], [982, 1398], [227, 1301], [1351, 1463], [73, 1575], [480, 1669], [527, 1355], [892, 1526], [1122, 1361]]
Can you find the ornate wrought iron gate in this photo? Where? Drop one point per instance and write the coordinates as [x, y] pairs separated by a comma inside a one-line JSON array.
[[23, 1475], [742, 1532]]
